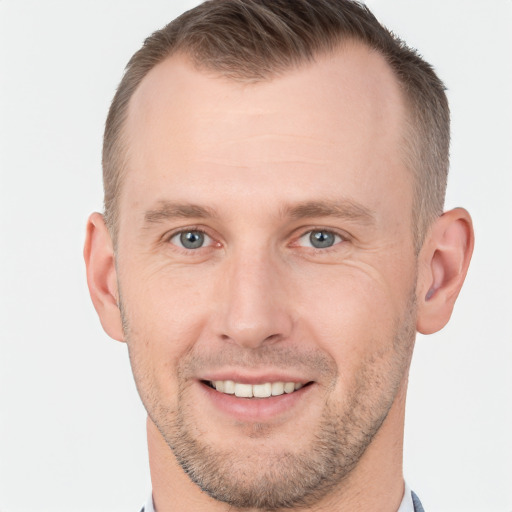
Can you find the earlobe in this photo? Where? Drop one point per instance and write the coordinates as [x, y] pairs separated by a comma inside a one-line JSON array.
[[443, 265], [101, 275]]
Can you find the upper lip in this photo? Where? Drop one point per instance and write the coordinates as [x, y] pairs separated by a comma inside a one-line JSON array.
[[253, 378]]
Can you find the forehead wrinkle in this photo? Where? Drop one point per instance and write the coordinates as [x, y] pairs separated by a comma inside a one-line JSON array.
[[256, 162], [166, 210], [268, 147]]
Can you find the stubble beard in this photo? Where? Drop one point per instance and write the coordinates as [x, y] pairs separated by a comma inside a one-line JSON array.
[[273, 481], [269, 480]]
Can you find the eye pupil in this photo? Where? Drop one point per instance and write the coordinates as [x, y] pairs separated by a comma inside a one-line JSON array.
[[321, 239], [192, 239]]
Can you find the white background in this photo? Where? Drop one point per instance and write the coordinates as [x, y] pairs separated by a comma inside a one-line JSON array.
[[72, 431]]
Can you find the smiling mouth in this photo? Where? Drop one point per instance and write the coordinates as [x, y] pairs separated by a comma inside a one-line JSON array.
[[264, 390]]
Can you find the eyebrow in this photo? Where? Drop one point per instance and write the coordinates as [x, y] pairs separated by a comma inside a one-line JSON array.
[[167, 210], [343, 209]]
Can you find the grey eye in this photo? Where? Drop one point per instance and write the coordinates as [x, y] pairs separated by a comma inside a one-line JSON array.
[[319, 239], [322, 239], [190, 239]]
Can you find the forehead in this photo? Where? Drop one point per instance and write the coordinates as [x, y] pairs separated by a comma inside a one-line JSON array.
[[337, 122]]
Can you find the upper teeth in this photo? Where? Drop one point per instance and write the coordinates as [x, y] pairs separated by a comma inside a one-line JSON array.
[[255, 390]]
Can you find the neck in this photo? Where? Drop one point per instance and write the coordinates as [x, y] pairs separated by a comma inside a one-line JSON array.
[[376, 483]]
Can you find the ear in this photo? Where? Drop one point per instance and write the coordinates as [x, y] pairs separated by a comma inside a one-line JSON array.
[[443, 264], [101, 275]]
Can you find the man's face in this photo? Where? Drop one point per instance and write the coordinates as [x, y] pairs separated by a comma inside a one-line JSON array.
[[265, 245]]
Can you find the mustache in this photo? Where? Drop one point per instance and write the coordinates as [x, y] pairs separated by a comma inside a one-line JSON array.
[[274, 357]]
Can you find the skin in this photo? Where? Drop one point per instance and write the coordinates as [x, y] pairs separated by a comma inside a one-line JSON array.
[[264, 165]]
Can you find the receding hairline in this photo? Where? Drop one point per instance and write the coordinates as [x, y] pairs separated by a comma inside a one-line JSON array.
[[186, 60]]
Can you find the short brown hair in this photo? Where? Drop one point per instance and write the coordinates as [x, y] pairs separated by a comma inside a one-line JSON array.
[[254, 40]]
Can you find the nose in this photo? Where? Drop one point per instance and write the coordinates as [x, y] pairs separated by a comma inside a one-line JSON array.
[[253, 302]]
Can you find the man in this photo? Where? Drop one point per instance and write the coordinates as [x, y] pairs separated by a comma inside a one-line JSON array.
[[273, 237]]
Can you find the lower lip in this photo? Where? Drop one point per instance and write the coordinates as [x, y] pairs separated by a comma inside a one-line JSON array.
[[255, 409]]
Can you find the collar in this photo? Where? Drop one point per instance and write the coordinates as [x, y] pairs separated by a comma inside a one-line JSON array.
[[407, 504]]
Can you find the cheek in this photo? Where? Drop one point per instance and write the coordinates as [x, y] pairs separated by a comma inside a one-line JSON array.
[[164, 315], [164, 302], [354, 312], [364, 330]]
